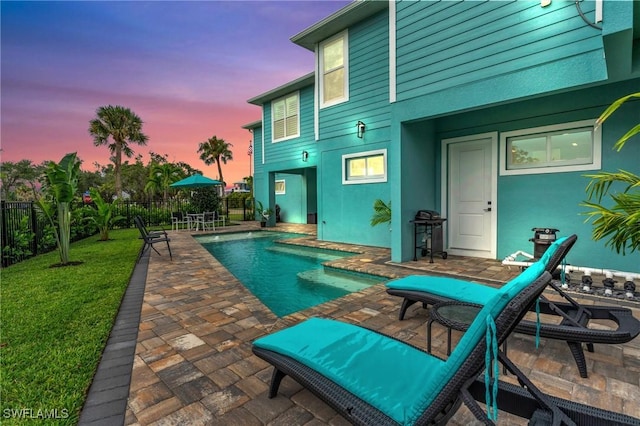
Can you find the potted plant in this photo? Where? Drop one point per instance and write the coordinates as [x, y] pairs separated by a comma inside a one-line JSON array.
[[264, 213]]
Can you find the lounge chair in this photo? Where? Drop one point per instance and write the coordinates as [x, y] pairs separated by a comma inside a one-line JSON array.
[[151, 237], [373, 379], [573, 327]]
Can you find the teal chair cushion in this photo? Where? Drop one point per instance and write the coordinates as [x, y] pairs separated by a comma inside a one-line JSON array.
[[450, 288], [398, 379], [457, 289], [388, 374]]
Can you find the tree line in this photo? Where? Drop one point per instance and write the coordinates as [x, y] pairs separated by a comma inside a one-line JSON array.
[[125, 175]]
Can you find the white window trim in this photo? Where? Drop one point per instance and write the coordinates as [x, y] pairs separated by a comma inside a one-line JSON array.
[[284, 188], [597, 149], [297, 135], [380, 179], [345, 98]]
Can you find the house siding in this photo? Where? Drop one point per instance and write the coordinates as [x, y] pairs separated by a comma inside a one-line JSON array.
[[368, 82], [488, 47], [289, 152], [462, 69], [553, 200], [344, 211]]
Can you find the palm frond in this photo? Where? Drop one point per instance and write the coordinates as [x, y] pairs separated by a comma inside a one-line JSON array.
[[614, 106], [381, 212], [634, 131], [600, 183]]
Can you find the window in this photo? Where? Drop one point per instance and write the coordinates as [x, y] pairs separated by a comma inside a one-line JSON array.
[[285, 113], [364, 167], [551, 149], [333, 57], [280, 187]]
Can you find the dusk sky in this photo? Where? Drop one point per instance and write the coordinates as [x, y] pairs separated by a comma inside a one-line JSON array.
[[185, 68]]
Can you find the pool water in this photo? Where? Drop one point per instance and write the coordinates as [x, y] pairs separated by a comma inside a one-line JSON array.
[[286, 278]]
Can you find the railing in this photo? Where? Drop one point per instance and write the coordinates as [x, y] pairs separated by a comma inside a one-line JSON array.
[[24, 232]]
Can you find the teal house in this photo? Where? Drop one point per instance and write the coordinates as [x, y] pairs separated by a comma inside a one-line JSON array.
[[482, 111]]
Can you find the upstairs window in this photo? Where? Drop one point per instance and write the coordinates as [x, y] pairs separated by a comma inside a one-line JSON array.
[[286, 117], [551, 149], [333, 57]]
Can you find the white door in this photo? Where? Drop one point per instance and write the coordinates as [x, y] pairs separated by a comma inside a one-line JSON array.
[[471, 212]]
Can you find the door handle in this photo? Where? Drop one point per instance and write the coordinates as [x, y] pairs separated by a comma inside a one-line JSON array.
[[488, 209]]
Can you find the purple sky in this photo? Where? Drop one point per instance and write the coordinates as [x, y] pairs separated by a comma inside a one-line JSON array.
[[186, 68]]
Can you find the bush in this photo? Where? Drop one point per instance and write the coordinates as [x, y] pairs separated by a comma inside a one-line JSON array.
[[205, 200], [21, 238]]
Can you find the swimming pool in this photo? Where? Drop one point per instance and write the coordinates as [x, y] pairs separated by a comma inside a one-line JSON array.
[[286, 278]]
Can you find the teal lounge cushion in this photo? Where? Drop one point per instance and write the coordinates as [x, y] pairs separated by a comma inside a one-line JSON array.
[[390, 375], [451, 288], [398, 379], [456, 289]]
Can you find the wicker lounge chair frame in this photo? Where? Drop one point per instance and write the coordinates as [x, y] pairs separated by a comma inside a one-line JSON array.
[[151, 237], [573, 328], [454, 392], [527, 401]]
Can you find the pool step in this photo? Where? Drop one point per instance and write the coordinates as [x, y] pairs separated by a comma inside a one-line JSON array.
[[223, 238], [304, 252], [334, 278]]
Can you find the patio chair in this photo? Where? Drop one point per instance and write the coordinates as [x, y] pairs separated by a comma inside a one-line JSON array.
[[212, 219], [574, 318], [219, 218], [178, 219], [162, 232], [150, 238], [373, 379]]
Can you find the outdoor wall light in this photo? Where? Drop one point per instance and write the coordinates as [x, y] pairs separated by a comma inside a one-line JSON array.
[[360, 127], [545, 3], [305, 156]]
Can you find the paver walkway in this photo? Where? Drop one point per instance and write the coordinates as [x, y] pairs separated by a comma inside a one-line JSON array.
[[193, 362]]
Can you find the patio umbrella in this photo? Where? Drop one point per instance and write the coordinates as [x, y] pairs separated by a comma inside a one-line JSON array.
[[195, 181]]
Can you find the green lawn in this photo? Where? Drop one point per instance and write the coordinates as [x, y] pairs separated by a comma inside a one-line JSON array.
[[54, 323]]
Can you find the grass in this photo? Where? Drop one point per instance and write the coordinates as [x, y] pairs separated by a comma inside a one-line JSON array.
[[55, 322]]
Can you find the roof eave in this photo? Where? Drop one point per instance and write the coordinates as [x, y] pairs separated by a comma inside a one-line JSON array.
[[253, 125], [347, 16], [297, 84]]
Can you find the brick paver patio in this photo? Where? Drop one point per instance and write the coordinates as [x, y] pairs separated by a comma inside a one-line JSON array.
[[193, 362]]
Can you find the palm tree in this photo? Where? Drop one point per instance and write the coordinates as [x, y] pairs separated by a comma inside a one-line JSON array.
[[215, 150], [123, 126], [161, 176], [620, 222]]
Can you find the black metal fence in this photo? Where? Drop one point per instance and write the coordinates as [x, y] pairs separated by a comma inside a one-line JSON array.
[[25, 232]]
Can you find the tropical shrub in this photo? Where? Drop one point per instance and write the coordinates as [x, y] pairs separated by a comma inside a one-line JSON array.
[[619, 219], [21, 242], [59, 188], [105, 217], [381, 212], [205, 199], [82, 223]]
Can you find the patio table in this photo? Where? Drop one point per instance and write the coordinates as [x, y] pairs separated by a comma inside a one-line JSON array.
[[195, 220]]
